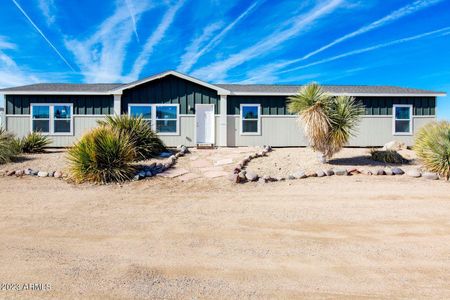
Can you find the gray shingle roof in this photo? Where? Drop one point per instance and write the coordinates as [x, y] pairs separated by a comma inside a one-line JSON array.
[[332, 89], [65, 87]]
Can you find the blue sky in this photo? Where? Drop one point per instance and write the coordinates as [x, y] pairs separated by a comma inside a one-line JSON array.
[[405, 43]]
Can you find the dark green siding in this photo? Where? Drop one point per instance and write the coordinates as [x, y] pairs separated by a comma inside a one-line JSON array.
[[82, 105], [171, 89], [276, 105]]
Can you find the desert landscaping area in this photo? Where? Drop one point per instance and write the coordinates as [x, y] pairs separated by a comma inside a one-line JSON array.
[[195, 234]]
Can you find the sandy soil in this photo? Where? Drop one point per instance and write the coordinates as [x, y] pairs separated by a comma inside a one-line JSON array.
[[285, 161], [338, 237]]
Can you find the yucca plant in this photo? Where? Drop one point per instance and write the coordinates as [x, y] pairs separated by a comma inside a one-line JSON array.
[[8, 147], [34, 142], [141, 135], [102, 155], [387, 156], [432, 147], [328, 121]]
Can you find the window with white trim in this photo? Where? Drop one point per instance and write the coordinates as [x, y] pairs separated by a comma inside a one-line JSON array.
[[402, 115], [166, 118], [52, 119], [250, 119], [141, 110], [163, 118]]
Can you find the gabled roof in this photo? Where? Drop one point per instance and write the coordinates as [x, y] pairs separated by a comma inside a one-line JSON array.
[[222, 89], [352, 90], [219, 90]]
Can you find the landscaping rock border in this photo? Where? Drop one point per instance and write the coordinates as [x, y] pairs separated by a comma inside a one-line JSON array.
[[145, 172], [241, 175]]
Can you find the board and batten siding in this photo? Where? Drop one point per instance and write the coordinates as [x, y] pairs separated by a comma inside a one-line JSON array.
[[171, 90], [277, 105], [82, 104]]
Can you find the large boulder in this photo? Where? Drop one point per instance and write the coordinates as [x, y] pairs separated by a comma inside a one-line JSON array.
[[300, 174], [397, 171], [394, 146]]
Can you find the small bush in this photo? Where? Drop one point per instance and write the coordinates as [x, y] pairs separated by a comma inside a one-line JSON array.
[[145, 141], [34, 142], [388, 156], [433, 147], [8, 147], [102, 155]]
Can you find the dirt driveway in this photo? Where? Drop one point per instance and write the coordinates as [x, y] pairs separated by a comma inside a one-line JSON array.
[[338, 237]]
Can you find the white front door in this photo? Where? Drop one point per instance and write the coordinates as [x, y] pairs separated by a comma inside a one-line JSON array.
[[204, 118]]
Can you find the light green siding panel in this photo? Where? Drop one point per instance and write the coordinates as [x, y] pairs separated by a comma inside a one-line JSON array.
[[284, 131], [20, 126]]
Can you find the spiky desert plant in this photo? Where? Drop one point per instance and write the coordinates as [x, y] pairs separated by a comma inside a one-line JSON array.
[[328, 121], [102, 155], [312, 105], [432, 147], [8, 147], [141, 135], [344, 114], [34, 142], [387, 156]]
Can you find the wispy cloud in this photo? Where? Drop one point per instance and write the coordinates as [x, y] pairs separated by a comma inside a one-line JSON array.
[[47, 8], [219, 69], [10, 73], [130, 8], [439, 32], [395, 15], [43, 35], [153, 40], [269, 71], [101, 56], [194, 52]]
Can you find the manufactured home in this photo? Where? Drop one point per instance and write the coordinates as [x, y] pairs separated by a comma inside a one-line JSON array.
[[189, 111]]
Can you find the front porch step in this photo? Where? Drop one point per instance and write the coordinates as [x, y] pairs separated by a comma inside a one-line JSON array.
[[205, 146]]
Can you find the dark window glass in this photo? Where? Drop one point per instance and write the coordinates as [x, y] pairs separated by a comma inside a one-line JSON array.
[[41, 112], [167, 126], [141, 111], [41, 126], [166, 112], [250, 112]]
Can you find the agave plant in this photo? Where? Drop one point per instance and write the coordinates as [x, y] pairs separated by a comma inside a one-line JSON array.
[[432, 146], [102, 155], [143, 138], [8, 147], [34, 142], [328, 121]]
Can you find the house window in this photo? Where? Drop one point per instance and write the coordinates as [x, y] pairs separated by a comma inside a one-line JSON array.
[[250, 119], [167, 118], [402, 119], [54, 119], [141, 110], [163, 118]]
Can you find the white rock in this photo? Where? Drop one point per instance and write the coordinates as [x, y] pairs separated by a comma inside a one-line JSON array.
[[430, 175], [394, 146], [42, 174], [413, 173]]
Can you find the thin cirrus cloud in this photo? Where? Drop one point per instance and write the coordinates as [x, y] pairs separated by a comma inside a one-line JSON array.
[[153, 40], [268, 72], [218, 70], [194, 52], [47, 8], [101, 55], [43, 35], [437, 33]]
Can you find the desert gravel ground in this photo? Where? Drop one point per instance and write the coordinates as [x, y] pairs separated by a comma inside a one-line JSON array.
[[336, 237]]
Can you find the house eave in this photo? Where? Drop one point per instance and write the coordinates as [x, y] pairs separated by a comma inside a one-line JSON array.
[[56, 93], [346, 94]]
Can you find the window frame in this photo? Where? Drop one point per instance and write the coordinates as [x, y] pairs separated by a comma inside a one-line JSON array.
[[258, 120], [52, 119], [154, 120], [411, 114], [143, 104]]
